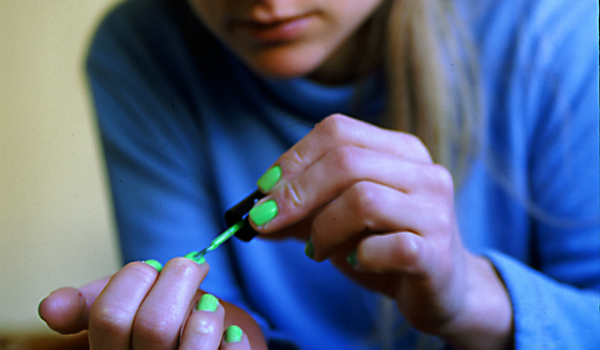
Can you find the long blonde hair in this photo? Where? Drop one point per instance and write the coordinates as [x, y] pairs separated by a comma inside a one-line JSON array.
[[431, 76]]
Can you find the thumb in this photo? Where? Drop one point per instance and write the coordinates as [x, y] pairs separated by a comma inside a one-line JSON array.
[[66, 310]]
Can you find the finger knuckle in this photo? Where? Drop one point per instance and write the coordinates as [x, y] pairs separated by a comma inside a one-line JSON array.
[[391, 252], [437, 180], [438, 216], [155, 330], [442, 178], [182, 267], [333, 126], [141, 273], [414, 141], [295, 158], [344, 158], [363, 199], [110, 319], [445, 220], [294, 196], [405, 251], [418, 148]]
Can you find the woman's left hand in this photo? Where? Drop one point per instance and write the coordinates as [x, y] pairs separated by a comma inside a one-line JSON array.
[[352, 187]]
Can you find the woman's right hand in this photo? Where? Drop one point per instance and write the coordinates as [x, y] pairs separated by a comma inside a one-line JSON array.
[[140, 308]]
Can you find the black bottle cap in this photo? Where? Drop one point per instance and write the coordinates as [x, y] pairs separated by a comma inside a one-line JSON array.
[[240, 212]]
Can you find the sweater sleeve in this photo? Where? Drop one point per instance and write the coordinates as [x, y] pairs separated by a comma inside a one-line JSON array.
[[556, 300], [548, 314]]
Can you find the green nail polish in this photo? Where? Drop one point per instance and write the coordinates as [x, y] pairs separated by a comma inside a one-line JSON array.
[[154, 263], [198, 259], [233, 334], [351, 258], [269, 179], [263, 213], [309, 249], [208, 302]]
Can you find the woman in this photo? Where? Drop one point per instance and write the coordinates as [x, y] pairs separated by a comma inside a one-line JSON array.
[[493, 249]]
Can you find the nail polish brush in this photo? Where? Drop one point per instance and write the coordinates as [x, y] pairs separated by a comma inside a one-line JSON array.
[[236, 219]]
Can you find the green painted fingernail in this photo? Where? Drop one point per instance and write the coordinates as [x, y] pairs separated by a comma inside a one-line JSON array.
[[154, 263], [208, 302], [351, 258], [233, 334], [263, 213], [309, 249], [269, 179], [193, 256]]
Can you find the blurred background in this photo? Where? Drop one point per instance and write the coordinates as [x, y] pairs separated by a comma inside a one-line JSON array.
[[56, 224]]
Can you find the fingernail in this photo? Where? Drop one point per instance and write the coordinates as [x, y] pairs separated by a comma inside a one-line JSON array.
[[193, 256], [154, 263], [233, 334], [263, 213], [309, 249], [351, 258], [269, 178], [208, 302]]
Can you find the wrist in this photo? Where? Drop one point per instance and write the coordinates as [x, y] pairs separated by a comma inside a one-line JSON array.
[[486, 321]]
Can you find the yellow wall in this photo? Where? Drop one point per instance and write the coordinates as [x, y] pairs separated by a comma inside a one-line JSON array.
[[55, 220]]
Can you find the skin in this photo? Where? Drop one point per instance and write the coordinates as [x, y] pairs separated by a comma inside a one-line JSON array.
[[347, 186]]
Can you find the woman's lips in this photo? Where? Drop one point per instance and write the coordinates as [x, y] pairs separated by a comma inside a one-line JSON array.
[[274, 31]]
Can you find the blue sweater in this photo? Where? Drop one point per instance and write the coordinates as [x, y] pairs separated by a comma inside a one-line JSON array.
[[187, 130]]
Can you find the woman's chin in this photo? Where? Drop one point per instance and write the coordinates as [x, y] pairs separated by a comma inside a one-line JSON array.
[[284, 64], [281, 70]]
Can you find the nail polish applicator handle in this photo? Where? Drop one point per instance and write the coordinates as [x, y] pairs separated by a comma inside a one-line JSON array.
[[240, 212]]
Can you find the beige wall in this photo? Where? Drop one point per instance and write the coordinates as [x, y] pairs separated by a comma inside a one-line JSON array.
[[55, 218]]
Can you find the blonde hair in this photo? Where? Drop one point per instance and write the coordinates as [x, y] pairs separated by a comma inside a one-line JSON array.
[[431, 76]]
